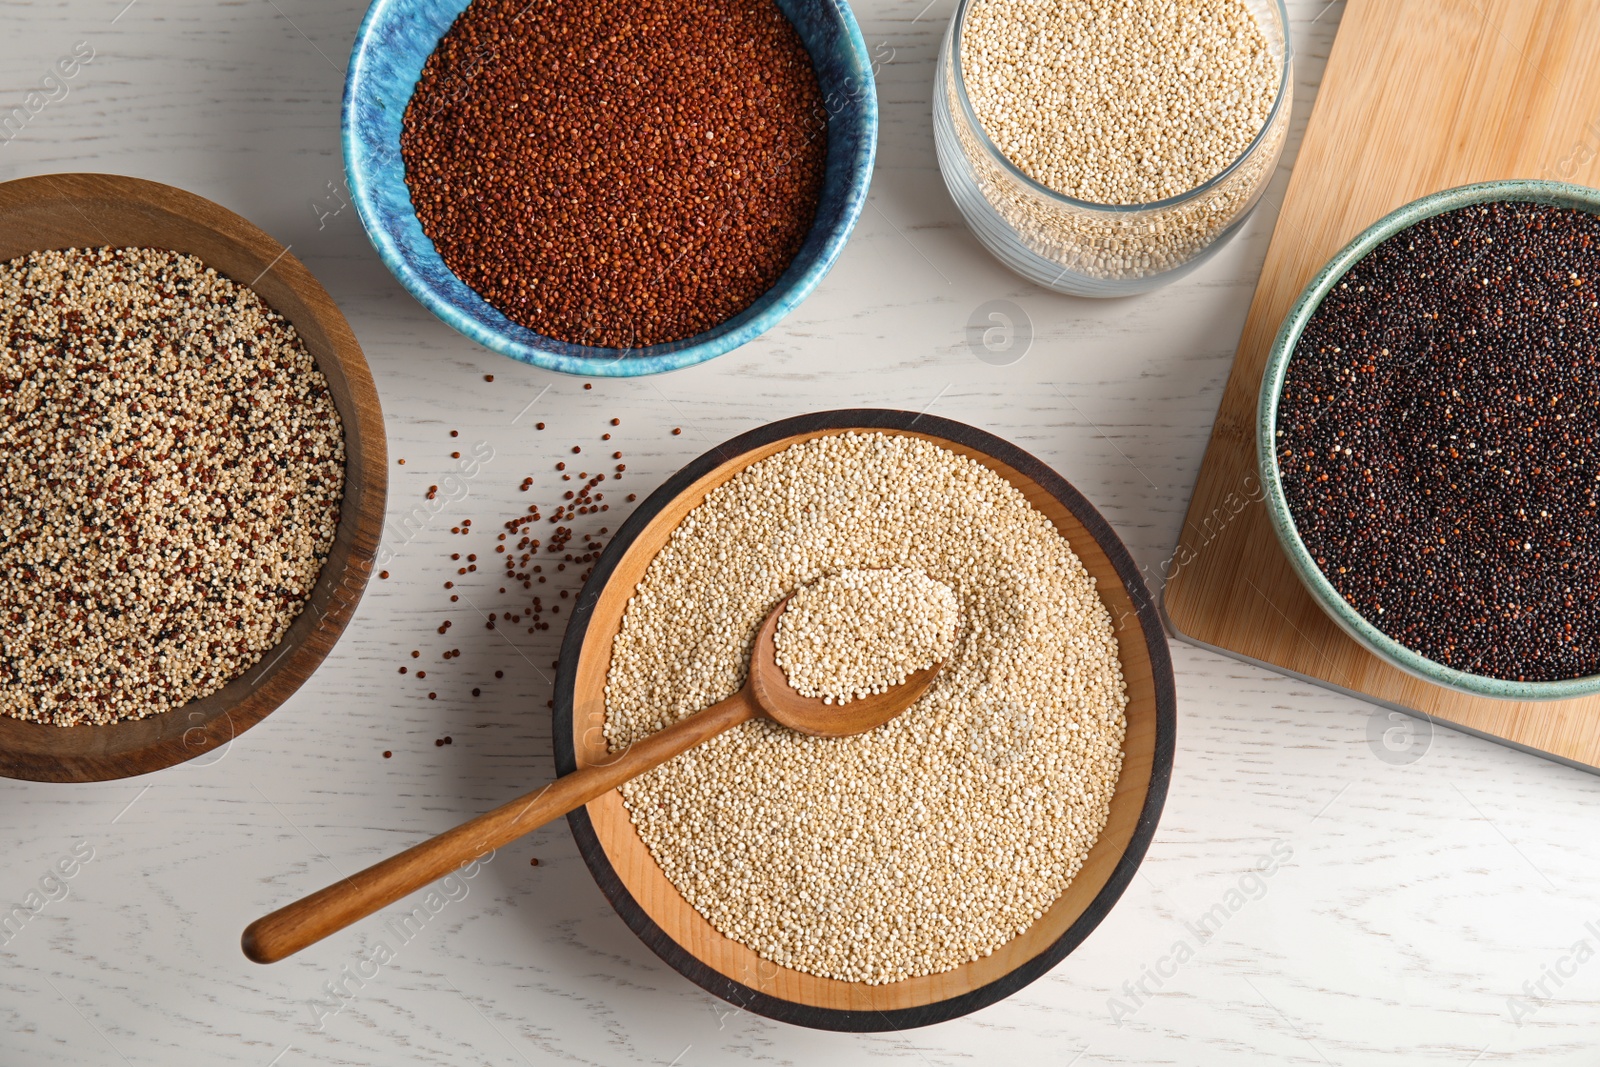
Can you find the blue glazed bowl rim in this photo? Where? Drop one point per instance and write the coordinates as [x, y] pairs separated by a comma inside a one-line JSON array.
[[617, 363], [1557, 194]]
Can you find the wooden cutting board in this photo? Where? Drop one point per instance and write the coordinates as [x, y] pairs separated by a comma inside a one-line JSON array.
[[1418, 96]]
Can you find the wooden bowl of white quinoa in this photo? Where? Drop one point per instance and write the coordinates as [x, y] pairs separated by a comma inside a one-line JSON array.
[[261, 298], [930, 867]]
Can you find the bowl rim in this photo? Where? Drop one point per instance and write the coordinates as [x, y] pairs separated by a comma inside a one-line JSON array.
[[616, 363], [950, 53], [31, 751], [1524, 190], [1165, 713]]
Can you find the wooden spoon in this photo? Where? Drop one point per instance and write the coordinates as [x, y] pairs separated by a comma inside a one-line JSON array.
[[766, 692]]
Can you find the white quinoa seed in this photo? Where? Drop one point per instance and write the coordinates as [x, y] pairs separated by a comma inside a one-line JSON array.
[[1123, 102], [861, 632], [172, 466], [1118, 101], [936, 838]]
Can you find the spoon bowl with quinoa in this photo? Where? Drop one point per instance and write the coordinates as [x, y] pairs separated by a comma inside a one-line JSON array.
[[929, 867]]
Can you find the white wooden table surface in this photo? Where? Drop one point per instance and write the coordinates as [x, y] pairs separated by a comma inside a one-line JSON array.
[[1438, 903]]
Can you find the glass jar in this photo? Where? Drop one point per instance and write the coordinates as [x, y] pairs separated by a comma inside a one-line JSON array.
[[1087, 249]]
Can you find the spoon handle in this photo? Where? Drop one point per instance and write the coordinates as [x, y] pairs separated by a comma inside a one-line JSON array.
[[307, 921]]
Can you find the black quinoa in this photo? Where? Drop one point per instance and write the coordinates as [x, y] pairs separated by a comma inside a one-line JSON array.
[[1437, 438]]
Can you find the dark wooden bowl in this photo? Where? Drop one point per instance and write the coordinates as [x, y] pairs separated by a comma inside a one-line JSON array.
[[649, 903], [56, 211]]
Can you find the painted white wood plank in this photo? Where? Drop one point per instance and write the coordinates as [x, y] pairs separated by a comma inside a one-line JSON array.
[[1417, 898]]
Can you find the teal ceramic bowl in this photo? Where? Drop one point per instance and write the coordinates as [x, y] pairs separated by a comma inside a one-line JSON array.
[[1352, 622], [395, 40]]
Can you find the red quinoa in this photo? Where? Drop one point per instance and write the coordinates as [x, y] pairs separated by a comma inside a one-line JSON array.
[[619, 173]]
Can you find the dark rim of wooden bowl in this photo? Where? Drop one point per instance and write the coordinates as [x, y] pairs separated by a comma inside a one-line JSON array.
[[56, 211], [754, 1000]]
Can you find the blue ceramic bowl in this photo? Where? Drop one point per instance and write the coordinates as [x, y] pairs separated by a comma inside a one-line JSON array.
[[396, 39], [1305, 565]]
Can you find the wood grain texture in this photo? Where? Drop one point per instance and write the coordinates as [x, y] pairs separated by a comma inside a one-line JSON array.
[[1419, 96], [626, 870], [60, 211], [767, 689]]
